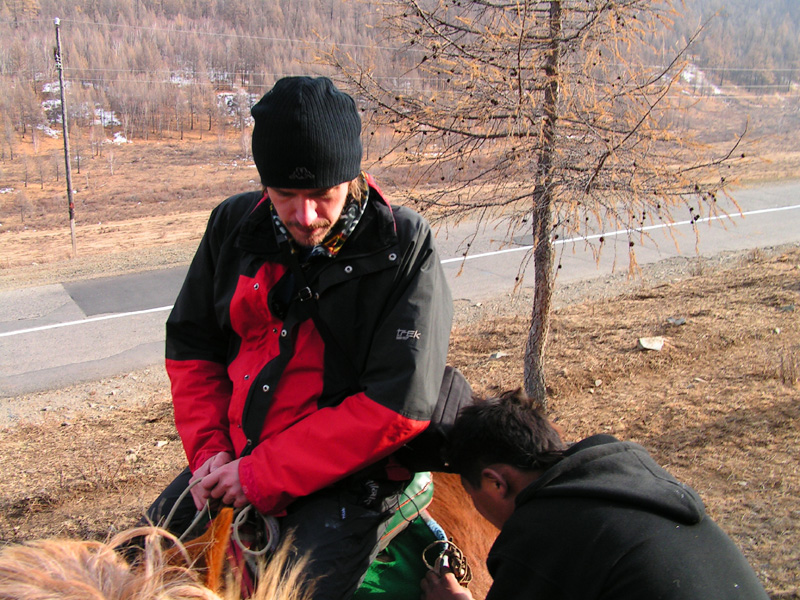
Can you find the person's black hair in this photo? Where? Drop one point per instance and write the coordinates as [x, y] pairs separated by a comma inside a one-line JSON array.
[[510, 429]]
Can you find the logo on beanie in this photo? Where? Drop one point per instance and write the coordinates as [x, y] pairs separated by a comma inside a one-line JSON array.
[[301, 173]]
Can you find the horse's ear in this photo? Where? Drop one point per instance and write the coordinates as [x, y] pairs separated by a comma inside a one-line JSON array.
[[220, 530], [208, 552]]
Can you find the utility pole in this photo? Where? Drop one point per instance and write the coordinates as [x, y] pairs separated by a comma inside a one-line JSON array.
[[65, 127]]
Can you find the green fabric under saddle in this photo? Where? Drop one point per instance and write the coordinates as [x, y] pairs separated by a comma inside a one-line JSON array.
[[399, 568]]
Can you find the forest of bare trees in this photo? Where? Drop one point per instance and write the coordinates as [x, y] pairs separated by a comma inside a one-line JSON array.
[[755, 45], [172, 65], [175, 69], [194, 65]]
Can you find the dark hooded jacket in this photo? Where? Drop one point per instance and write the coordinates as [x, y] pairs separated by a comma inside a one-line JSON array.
[[607, 522]]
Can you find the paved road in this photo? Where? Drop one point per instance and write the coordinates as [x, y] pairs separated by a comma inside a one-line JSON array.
[[61, 334]]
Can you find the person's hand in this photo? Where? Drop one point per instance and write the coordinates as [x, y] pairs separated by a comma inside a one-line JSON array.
[[224, 484], [199, 493], [443, 587]]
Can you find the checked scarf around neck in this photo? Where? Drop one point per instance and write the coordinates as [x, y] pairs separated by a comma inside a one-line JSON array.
[[340, 231]]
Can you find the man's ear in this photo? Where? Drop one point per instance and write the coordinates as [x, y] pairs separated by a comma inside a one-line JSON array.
[[494, 482]]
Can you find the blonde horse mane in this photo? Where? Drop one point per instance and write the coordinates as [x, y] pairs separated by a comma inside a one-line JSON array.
[[90, 570], [58, 569]]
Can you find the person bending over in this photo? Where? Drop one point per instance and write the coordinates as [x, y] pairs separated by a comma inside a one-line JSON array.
[[598, 519]]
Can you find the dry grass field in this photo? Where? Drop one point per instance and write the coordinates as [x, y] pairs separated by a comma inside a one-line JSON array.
[[719, 405]]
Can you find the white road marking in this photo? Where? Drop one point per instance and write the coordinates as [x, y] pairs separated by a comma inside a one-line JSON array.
[[625, 231], [85, 321], [445, 261]]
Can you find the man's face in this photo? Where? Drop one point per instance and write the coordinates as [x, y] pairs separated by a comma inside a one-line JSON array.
[[487, 502], [309, 214]]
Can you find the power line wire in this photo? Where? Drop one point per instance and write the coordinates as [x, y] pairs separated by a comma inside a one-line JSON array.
[[212, 75], [330, 42], [215, 34]]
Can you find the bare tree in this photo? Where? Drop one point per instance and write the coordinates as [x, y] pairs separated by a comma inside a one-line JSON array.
[[8, 136], [22, 9], [542, 115], [40, 163], [23, 204], [56, 160]]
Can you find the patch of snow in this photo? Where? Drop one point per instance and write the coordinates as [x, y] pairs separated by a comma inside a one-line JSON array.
[[52, 87], [48, 131], [697, 78], [181, 80], [234, 103], [106, 118], [54, 104]]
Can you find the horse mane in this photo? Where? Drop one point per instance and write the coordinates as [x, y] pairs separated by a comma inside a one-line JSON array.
[[169, 570], [93, 570]]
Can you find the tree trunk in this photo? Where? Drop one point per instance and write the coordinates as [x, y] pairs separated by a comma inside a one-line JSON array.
[[543, 221]]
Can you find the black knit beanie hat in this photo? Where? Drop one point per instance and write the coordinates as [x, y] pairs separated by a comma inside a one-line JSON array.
[[307, 134]]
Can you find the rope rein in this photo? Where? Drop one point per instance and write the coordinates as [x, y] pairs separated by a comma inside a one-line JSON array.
[[197, 518], [271, 531]]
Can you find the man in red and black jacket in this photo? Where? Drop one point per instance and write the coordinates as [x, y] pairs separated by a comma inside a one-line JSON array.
[[309, 339]]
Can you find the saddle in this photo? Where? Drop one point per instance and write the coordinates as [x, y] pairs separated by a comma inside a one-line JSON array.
[[417, 496], [412, 543]]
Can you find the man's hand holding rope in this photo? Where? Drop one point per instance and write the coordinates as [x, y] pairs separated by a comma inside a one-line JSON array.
[[218, 478], [224, 484], [443, 586]]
